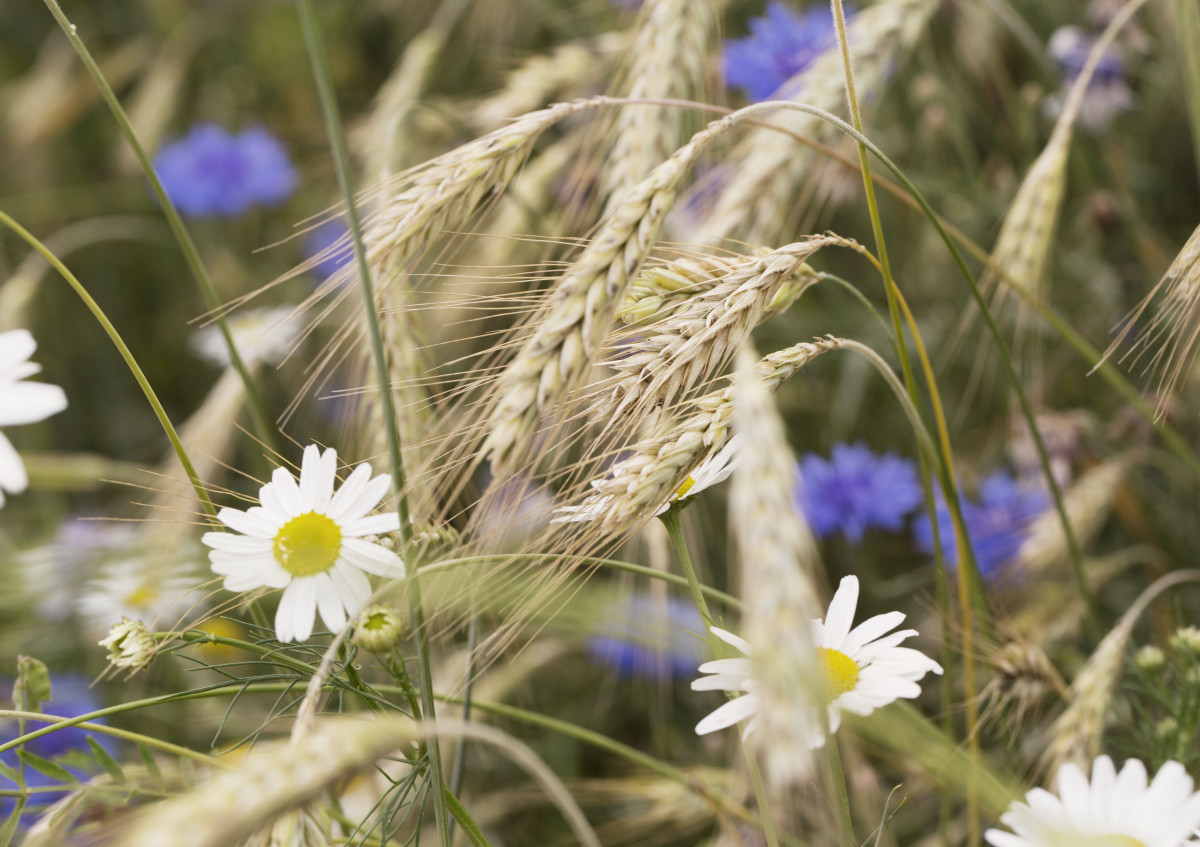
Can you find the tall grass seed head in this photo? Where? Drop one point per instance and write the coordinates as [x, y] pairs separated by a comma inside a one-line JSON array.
[[713, 470], [21, 402], [211, 173], [856, 490], [309, 540]]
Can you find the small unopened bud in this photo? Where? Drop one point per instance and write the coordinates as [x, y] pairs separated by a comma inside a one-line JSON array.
[[130, 645], [1166, 728], [1186, 639], [1149, 659], [378, 628]]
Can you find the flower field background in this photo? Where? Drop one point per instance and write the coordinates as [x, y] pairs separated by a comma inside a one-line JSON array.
[[538, 422]]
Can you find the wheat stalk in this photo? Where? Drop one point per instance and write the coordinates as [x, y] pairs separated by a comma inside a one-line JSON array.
[[779, 561], [669, 61], [685, 348], [639, 484]]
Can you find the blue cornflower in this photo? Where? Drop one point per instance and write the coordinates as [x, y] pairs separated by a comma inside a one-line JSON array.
[[70, 698], [327, 237], [779, 46], [856, 490], [209, 172], [998, 523], [648, 637], [1106, 94]]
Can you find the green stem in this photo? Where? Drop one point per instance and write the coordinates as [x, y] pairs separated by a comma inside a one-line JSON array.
[[115, 732], [262, 422], [841, 797], [341, 159], [123, 349], [670, 520]]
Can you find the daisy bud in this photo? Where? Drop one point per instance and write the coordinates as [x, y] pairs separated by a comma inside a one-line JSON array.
[[130, 645], [378, 628], [1149, 659], [1186, 639]]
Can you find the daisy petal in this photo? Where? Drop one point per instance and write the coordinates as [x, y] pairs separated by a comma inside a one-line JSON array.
[[372, 558]]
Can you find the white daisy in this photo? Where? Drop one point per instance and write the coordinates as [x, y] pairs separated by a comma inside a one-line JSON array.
[[865, 668], [261, 335], [716, 468], [21, 402], [142, 589], [1113, 810], [309, 541]]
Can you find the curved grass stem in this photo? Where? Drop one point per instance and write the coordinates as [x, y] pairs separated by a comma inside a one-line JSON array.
[[123, 349], [264, 428]]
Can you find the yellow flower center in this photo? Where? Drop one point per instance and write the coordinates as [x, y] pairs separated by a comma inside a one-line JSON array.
[[841, 672], [141, 596], [308, 544], [682, 490], [1075, 840]]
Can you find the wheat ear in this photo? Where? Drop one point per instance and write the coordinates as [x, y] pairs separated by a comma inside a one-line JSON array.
[[583, 303], [779, 560], [641, 483], [669, 61], [445, 192], [662, 288], [1023, 245], [764, 170], [687, 347]]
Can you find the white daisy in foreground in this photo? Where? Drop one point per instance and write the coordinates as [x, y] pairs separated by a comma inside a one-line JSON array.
[[21, 402], [716, 468], [865, 668], [309, 541], [1113, 810]]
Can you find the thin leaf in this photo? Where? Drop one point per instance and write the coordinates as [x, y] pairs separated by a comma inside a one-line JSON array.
[[9, 830], [46, 767], [110, 765], [151, 765]]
